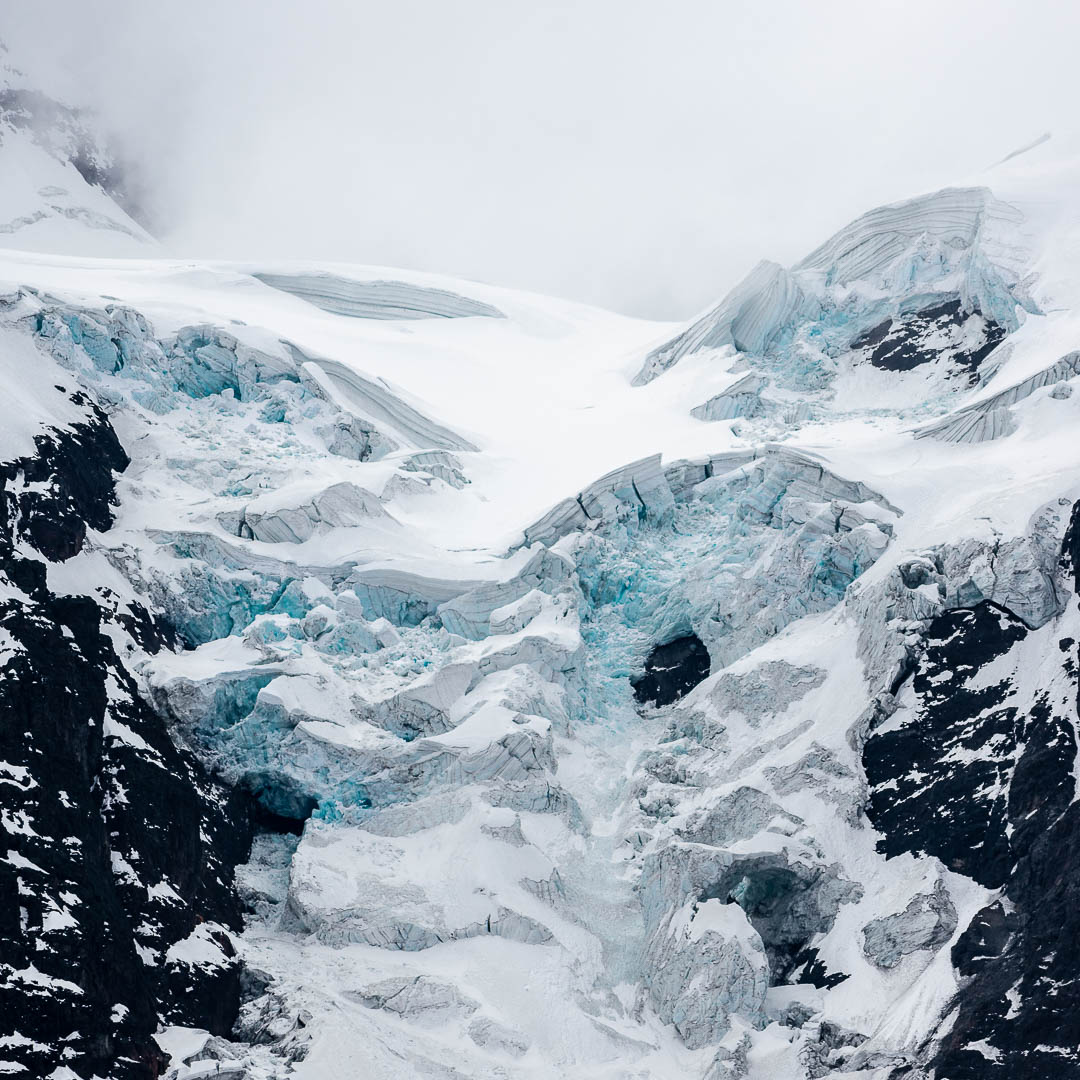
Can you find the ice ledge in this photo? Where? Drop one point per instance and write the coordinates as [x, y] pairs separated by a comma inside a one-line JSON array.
[[377, 299]]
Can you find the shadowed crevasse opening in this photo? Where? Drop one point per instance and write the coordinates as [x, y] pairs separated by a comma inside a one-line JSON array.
[[672, 671], [278, 804], [788, 905]]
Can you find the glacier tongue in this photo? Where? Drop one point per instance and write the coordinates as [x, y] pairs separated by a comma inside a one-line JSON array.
[[743, 760]]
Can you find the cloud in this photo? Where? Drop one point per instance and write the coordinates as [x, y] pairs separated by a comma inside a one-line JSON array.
[[635, 155]]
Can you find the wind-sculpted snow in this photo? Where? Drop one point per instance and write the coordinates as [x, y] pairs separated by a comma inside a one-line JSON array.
[[957, 217], [377, 299]]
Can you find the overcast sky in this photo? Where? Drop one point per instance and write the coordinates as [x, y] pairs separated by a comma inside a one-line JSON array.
[[637, 155]]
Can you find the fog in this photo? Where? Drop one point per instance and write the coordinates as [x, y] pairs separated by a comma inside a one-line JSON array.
[[640, 156]]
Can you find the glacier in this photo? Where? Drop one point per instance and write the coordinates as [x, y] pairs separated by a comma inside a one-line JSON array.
[[411, 677]]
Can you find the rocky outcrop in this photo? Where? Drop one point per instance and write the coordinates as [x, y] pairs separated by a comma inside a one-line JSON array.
[[993, 799], [117, 886], [931, 788], [945, 333], [1021, 574], [672, 670], [468, 833]]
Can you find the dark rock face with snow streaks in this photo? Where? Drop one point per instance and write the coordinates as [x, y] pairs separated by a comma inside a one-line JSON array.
[[982, 777], [117, 895]]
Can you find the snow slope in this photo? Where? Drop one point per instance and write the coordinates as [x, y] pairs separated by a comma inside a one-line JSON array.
[[61, 189], [412, 565]]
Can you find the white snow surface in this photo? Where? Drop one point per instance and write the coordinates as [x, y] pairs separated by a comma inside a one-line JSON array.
[[481, 890]]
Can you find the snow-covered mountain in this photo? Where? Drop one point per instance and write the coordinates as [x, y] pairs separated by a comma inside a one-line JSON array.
[[62, 188], [404, 677]]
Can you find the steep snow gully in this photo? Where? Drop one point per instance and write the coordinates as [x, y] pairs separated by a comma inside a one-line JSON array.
[[403, 677]]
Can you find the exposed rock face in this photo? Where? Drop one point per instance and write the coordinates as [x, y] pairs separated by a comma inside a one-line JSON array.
[[933, 789], [1007, 1023], [118, 897], [993, 799], [672, 670], [1021, 573], [944, 333]]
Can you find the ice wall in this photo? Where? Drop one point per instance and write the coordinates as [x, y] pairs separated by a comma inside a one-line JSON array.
[[957, 243]]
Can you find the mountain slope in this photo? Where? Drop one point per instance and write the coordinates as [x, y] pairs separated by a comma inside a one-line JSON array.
[[441, 703], [61, 188]]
